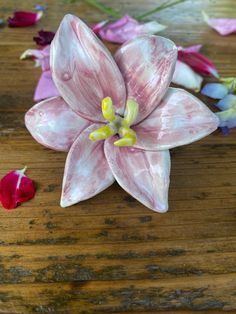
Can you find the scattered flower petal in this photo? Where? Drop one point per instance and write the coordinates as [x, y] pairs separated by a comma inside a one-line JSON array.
[[186, 77], [98, 27], [16, 188], [44, 38], [39, 7], [2, 23], [223, 26], [214, 90], [194, 48], [23, 18], [227, 118], [197, 61], [125, 29], [229, 83], [45, 87], [225, 130], [227, 102]]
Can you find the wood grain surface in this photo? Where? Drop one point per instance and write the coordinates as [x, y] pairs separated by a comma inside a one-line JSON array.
[[110, 254]]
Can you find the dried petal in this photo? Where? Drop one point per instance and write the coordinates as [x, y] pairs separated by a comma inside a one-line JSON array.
[[45, 87], [39, 7], [16, 188], [44, 38], [125, 29], [197, 61], [227, 118], [223, 26], [186, 77], [214, 90], [23, 18]]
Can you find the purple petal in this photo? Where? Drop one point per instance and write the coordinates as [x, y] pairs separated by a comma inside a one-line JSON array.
[[227, 102], [223, 26], [225, 130], [45, 87], [214, 90]]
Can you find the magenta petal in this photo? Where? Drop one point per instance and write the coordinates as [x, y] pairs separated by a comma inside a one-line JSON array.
[[180, 119], [24, 18], [45, 87], [53, 124], [194, 48], [84, 71], [86, 172], [16, 188], [147, 64], [198, 62], [143, 174], [223, 26]]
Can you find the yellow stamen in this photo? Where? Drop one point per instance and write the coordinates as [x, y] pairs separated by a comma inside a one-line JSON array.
[[108, 110], [102, 133], [128, 137], [131, 112]]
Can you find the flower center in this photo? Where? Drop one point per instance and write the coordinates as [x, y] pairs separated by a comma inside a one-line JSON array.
[[117, 124]]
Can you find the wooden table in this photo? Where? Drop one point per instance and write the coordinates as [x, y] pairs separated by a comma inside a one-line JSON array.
[[110, 254]]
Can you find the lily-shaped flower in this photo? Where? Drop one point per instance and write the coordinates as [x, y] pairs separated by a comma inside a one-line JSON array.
[[116, 117]]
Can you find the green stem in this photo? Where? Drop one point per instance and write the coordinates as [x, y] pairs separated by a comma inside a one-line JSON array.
[[159, 8], [102, 7]]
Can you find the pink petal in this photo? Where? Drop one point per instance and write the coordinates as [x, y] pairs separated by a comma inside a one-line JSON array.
[[147, 64], [180, 119], [84, 71], [16, 188], [53, 124], [45, 87], [125, 29], [41, 56], [194, 48], [143, 174], [86, 172], [186, 77], [197, 61], [24, 18], [222, 26]]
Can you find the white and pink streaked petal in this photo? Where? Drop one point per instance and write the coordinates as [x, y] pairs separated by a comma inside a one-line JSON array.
[[147, 64], [86, 172], [54, 124], [143, 174], [84, 71], [180, 119]]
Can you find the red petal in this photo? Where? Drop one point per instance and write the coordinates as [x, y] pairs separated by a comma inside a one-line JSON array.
[[16, 188], [198, 62], [23, 18]]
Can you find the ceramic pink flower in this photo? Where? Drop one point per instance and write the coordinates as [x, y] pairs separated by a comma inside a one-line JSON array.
[[116, 117]]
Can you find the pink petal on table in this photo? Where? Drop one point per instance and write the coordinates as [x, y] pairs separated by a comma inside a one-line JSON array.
[[143, 174], [180, 119], [197, 61], [45, 87], [86, 172], [147, 64], [223, 26], [24, 18], [16, 188], [84, 71], [53, 124], [125, 29], [41, 57], [193, 48], [186, 77]]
